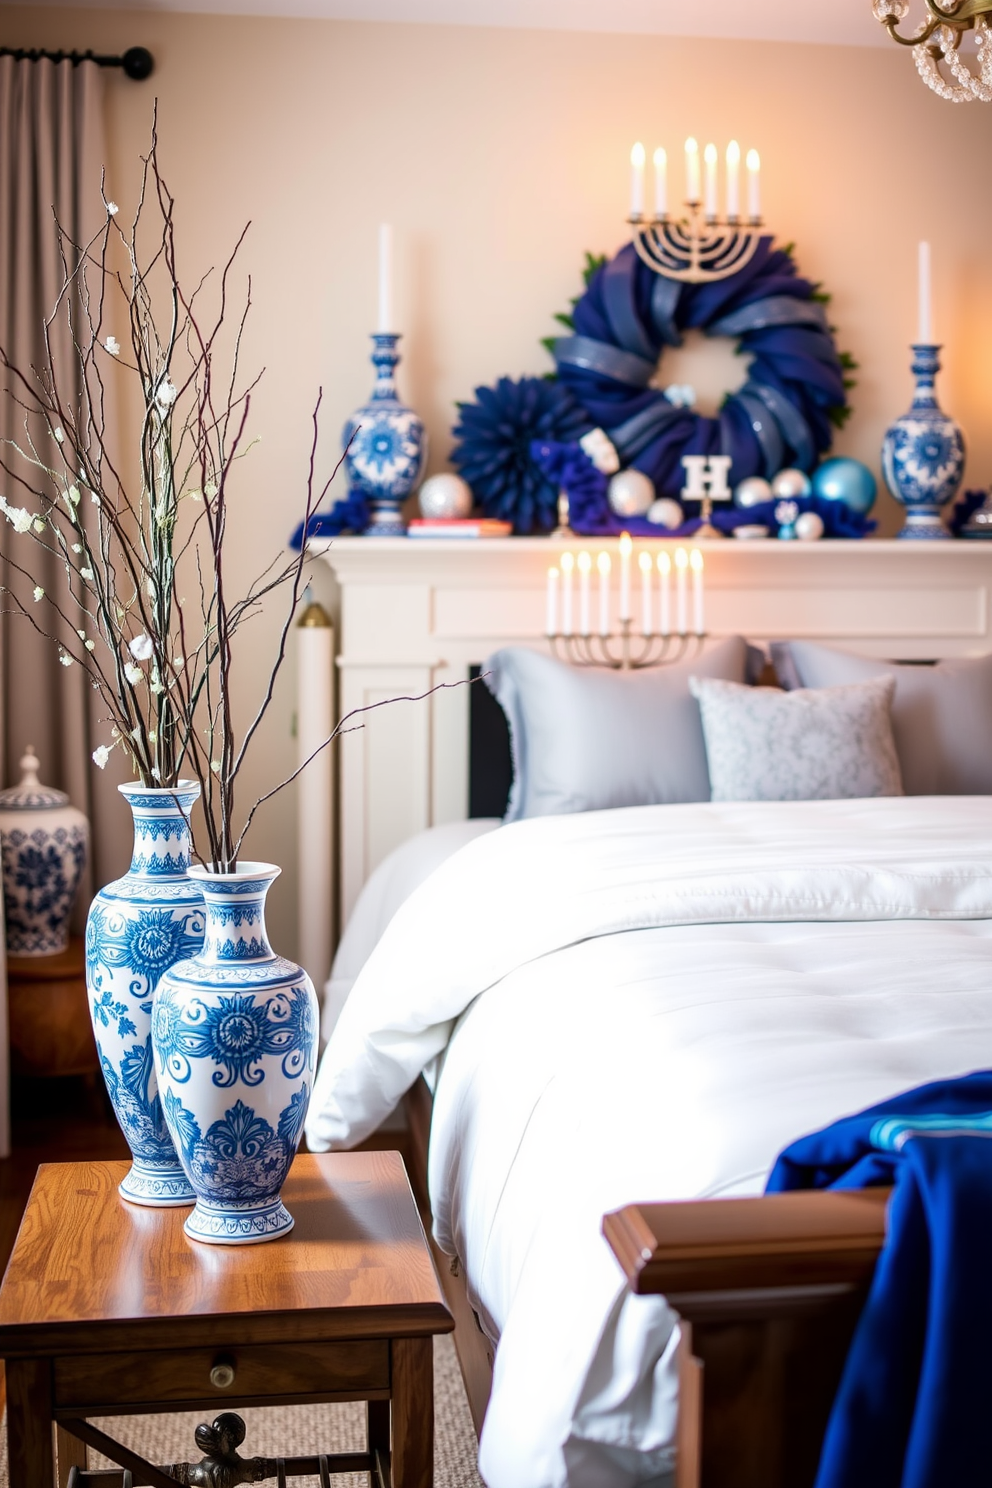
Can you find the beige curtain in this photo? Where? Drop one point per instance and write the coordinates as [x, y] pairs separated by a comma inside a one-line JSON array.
[[51, 154]]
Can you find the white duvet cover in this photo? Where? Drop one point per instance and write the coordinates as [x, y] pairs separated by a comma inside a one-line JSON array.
[[648, 1004]]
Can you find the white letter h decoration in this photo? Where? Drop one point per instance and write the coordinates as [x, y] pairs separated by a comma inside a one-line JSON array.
[[706, 476]]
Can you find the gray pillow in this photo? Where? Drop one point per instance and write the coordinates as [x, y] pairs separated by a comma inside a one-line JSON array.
[[764, 744], [941, 715], [587, 738]]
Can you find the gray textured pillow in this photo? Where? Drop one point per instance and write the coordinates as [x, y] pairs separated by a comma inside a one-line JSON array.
[[587, 738], [941, 715], [763, 744]]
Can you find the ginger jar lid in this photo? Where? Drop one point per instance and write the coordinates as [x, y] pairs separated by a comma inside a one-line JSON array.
[[31, 795]]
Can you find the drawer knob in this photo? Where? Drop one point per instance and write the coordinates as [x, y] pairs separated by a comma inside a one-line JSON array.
[[222, 1374]]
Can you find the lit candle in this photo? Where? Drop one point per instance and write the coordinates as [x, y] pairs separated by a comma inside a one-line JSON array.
[[637, 180], [733, 180], [691, 171], [567, 564], [924, 330], [604, 565], [709, 156], [696, 564], [625, 547], [551, 624], [753, 186], [660, 183], [681, 593], [645, 565], [665, 570], [585, 567], [385, 279]]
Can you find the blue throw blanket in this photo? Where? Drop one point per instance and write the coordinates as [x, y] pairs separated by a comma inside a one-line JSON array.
[[914, 1407]]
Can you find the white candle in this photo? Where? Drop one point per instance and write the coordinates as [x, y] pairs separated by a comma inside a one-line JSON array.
[[551, 624], [604, 566], [733, 180], [696, 564], [645, 565], [681, 592], [709, 156], [660, 183], [585, 568], [924, 329], [637, 180], [625, 547], [753, 186], [665, 570], [315, 720], [691, 171], [385, 279], [567, 565]]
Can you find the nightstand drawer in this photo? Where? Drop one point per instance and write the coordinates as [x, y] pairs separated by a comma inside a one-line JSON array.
[[220, 1374]]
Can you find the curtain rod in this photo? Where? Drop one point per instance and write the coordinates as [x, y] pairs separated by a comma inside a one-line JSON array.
[[137, 62]]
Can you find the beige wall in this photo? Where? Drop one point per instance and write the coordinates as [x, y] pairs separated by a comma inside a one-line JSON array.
[[500, 157]]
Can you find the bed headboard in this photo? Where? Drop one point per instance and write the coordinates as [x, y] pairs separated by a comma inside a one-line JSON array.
[[413, 614]]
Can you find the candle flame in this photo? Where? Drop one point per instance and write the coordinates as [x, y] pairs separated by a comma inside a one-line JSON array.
[[625, 544], [637, 156], [691, 146], [733, 153], [603, 563], [660, 158], [696, 561], [753, 160], [681, 558], [585, 563], [644, 562], [709, 154], [567, 563], [664, 563], [552, 573]]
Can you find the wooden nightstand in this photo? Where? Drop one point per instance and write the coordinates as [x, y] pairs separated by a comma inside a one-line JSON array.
[[107, 1309]]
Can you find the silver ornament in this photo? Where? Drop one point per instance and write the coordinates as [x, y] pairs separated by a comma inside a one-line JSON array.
[[809, 527], [752, 491], [790, 484], [666, 513], [445, 495], [631, 493]]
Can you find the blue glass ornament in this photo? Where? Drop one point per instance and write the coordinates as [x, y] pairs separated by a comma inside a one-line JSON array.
[[923, 453], [843, 479], [388, 445]]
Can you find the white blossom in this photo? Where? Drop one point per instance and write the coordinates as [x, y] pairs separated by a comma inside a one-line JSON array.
[[58, 435], [178, 663], [101, 755], [81, 634], [141, 647], [18, 516], [112, 345], [133, 673], [73, 495], [215, 766], [166, 393], [77, 547], [152, 735], [210, 490], [112, 208], [86, 573], [39, 593], [90, 645], [156, 773], [38, 525], [65, 658]]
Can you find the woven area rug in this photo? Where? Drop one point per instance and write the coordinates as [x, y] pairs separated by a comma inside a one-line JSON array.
[[301, 1429]]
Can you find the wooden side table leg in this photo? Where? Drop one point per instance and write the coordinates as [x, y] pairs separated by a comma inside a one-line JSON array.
[[29, 1423], [70, 1452], [412, 1412], [378, 1420]]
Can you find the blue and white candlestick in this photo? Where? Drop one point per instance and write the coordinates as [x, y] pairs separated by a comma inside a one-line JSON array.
[[923, 453], [388, 445]]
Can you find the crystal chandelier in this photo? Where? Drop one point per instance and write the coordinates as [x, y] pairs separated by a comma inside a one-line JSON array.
[[937, 45]]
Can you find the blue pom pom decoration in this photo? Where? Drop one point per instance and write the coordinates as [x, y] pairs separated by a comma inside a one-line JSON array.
[[493, 450], [843, 479]]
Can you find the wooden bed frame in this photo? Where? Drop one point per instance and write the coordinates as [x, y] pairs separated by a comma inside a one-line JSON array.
[[769, 1291]]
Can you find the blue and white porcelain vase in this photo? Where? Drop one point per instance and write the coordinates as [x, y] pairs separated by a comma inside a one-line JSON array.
[[45, 843], [137, 927], [235, 1037], [388, 445], [923, 453]]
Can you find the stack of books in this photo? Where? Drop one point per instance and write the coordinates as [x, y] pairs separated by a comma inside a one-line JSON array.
[[458, 527]]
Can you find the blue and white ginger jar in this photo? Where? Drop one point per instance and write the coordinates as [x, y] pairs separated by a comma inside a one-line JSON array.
[[235, 1037], [386, 445], [137, 927], [45, 844], [923, 453]]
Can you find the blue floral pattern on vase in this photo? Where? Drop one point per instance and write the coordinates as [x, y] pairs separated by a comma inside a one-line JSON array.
[[234, 1030], [923, 453], [137, 927], [386, 445], [44, 843]]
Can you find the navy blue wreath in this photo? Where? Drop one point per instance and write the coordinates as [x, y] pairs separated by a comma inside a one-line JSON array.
[[493, 450], [784, 414]]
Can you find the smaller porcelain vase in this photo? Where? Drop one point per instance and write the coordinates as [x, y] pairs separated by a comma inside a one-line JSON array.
[[235, 1036], [45, 843], [923, 453], [137, 927], [388, 448]]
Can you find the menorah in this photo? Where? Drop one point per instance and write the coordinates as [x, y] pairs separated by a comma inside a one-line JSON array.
[[664, 635], [703, 247]]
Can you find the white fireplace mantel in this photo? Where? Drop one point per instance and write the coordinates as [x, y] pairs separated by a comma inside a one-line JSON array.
[[415, 613]]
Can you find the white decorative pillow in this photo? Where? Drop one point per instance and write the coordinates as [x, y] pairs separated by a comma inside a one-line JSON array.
[[820, 744]]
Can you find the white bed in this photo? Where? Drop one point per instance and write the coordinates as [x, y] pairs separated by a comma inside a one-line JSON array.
[[647, 1004]]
